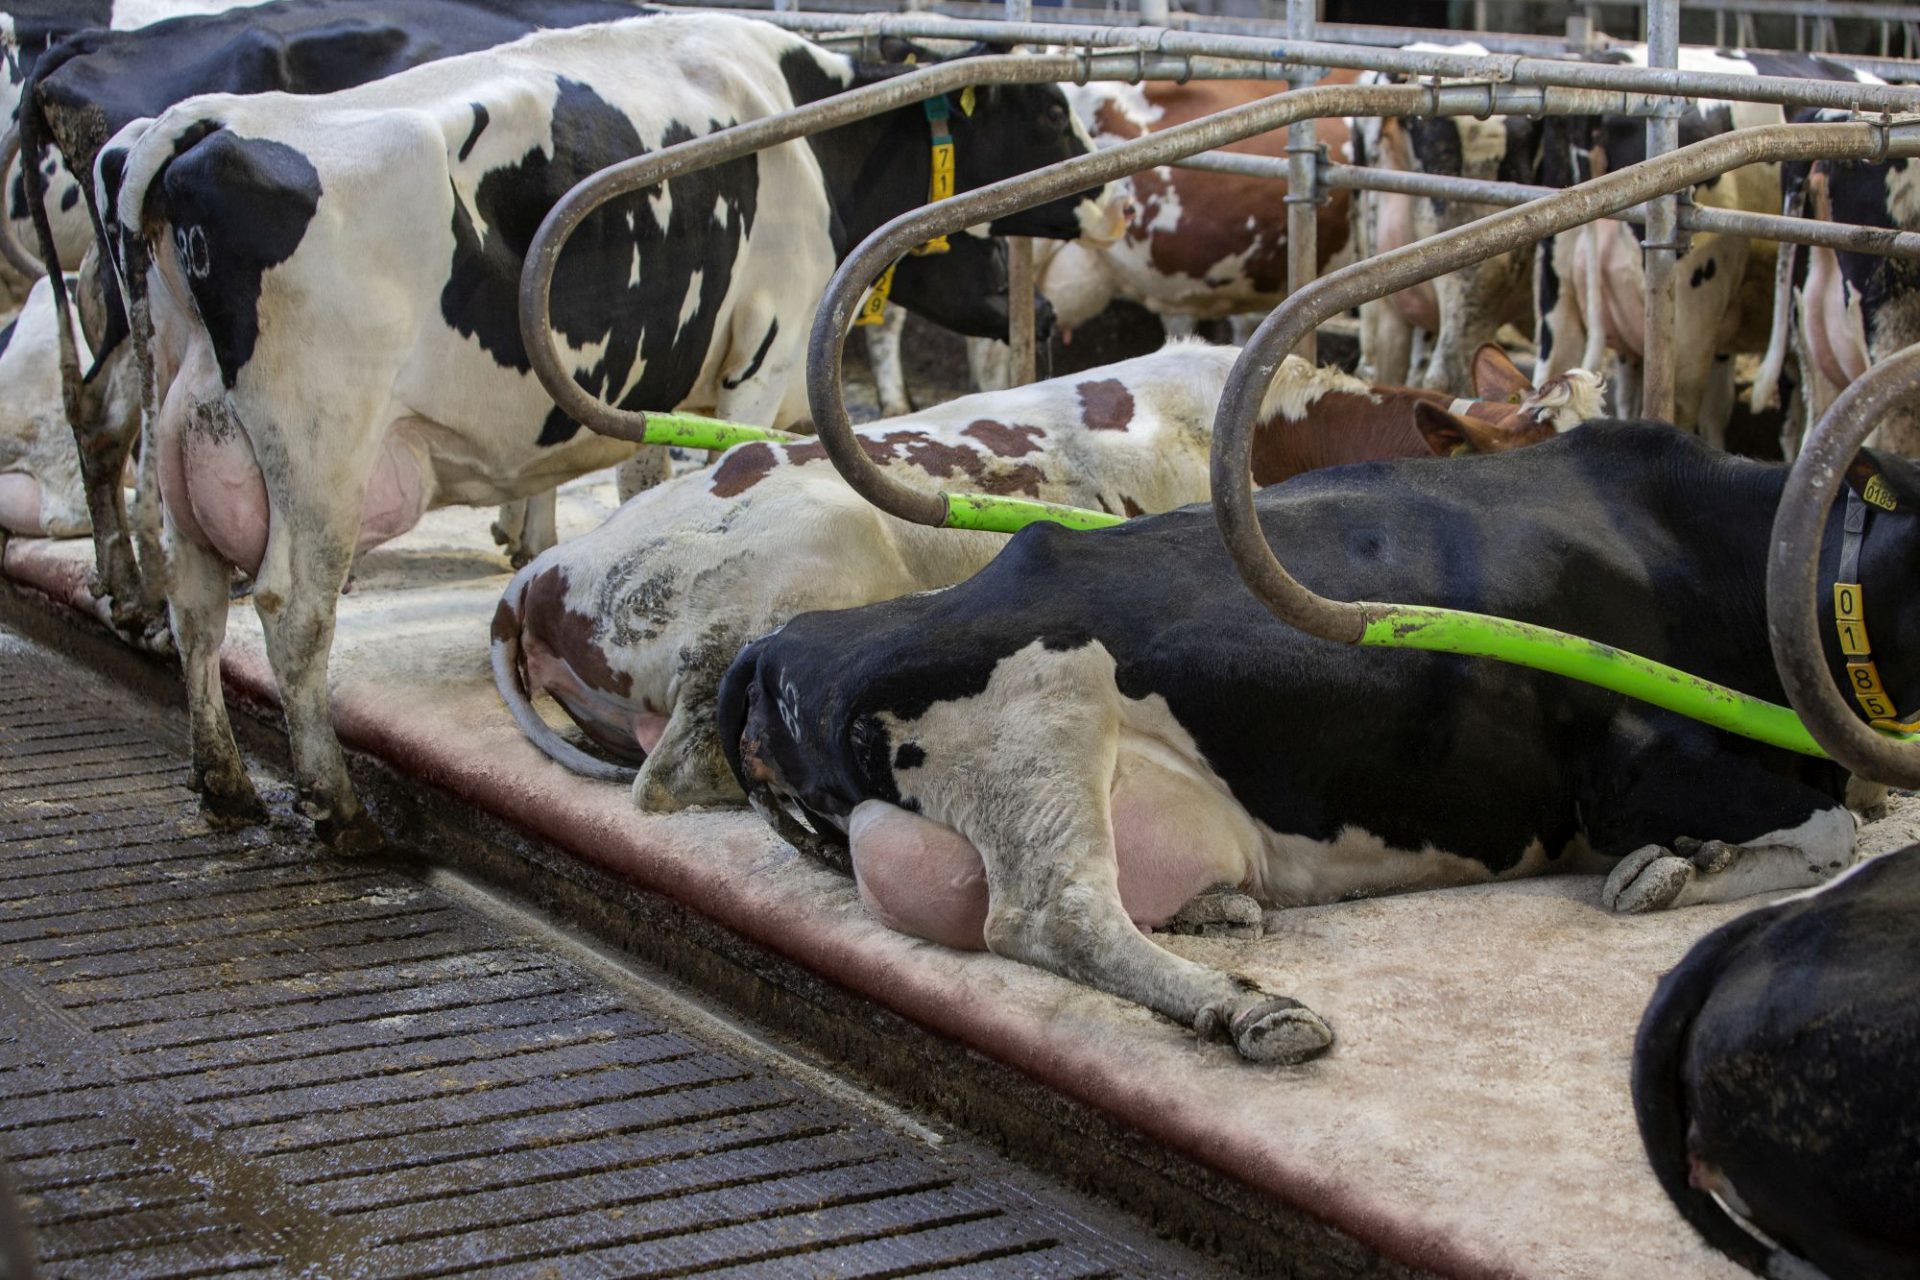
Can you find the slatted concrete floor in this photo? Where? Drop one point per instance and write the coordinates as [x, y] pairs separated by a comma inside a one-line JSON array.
[[224, 1053]]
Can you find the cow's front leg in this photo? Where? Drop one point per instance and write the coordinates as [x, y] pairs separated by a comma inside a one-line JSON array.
[[884, 358], [197, 609], [297, 595], [1386, 344], [1029, 787], [687, 767]]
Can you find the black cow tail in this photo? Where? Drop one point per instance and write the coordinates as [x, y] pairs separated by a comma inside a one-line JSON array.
[[1659, 1090], [34, 137]]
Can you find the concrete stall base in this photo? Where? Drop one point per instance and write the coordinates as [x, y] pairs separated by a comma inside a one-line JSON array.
[[1472, 1120]]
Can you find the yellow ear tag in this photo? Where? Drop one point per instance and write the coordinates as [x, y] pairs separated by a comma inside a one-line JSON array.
[[1879, 493], [968, 100], [912, 58]]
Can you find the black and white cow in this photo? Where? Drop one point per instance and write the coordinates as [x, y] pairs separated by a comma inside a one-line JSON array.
[[1840, 311], [334, 292], [85, 88], [1097, 727], [1590, 284], [28, 29], [1773, 1080], [629, 628]]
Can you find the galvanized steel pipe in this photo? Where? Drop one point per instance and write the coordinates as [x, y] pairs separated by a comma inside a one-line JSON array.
[[1661, 247], [1793, 573], [885, 245], [1303, 171], [543, 255], [1506, 69], [1477, 241]]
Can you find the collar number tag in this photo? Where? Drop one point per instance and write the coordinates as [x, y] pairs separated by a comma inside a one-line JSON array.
[[1849, 618], [1864, 678], [874, 309]]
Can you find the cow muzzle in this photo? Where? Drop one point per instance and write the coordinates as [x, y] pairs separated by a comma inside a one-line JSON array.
[[1103, 218]]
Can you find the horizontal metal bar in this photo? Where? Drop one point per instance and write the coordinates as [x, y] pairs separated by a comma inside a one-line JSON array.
[[999, 199], [1844, 237], [1511, 69], [1463, 246], [536, 276]]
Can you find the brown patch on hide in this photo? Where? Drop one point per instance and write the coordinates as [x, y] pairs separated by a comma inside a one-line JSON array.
[[1007, 442], [1109, 121], [1105, 405], [743, 467], [506, 623], [1342, 427], [1225, 217], [569, 635], [941, 460]]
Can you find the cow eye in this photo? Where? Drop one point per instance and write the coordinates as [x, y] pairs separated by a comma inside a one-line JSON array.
[[1056, 115]]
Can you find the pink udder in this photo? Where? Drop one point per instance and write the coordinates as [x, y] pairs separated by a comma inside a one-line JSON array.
[[919, 877], [217, 495], [1831, 339], [20, 505]]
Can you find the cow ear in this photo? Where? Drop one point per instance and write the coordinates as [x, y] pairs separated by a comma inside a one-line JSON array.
[[1496, 378], [1447, 434]]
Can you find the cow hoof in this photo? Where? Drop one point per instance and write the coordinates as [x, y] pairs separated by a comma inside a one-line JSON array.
[[1280, 1032], [357, 837], [1648, 879], [1219, 913], [228, 801]]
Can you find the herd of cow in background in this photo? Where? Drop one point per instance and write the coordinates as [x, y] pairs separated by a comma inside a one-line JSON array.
[[285, 243]]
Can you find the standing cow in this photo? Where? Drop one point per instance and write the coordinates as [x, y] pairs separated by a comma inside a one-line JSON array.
[[333, 302], [1099, 726], [85, 88], [1773, 1080], [630, 627], [1839, 312], [1590, 283]]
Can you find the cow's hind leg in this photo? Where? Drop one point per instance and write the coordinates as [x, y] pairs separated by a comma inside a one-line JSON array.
[[296, 594], [1030, 789], [197, 609]]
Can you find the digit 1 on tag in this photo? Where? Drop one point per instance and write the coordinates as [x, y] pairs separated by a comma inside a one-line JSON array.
[[1850, 619]]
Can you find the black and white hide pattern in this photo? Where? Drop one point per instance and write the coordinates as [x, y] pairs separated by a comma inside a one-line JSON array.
[[88, 86], [334, 287], [1590, 284], [28, 29], [1772, 1074], [1098, 727]]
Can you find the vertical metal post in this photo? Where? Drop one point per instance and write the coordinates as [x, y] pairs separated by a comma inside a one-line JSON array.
[[1020, 282], [1661, 248], [1303, 178], [1154, 13]]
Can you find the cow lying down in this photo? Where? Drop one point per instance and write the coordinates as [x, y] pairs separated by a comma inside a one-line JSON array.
[[630, 627], [41, 489], [1098, 727], [1773, 1079]]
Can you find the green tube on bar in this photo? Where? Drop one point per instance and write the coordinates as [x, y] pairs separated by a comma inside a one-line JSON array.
[[691, 431], [1544, 649], [1010, 515]]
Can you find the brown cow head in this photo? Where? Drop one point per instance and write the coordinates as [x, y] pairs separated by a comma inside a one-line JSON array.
[[1510, 412]]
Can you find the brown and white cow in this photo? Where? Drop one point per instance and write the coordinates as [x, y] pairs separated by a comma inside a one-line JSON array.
[[630, 627]]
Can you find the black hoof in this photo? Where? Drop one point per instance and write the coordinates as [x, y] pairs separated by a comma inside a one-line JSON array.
[[229, 804], [356, 837]]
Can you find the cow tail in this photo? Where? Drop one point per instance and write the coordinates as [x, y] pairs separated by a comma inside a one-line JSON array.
[[510, 678], [1766, 382], [34, 141], [1659, 1090]]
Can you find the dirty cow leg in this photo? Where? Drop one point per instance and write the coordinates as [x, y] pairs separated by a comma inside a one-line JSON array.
[[1386, 344], [197, 608], [104, 444], [1712, 827], [645, 469], [1030, 789], [296, 594], [883, 357], [146, 520], [687, 767], [526, 528]]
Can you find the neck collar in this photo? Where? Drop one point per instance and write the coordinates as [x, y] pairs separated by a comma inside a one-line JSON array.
[[1850, 615]]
